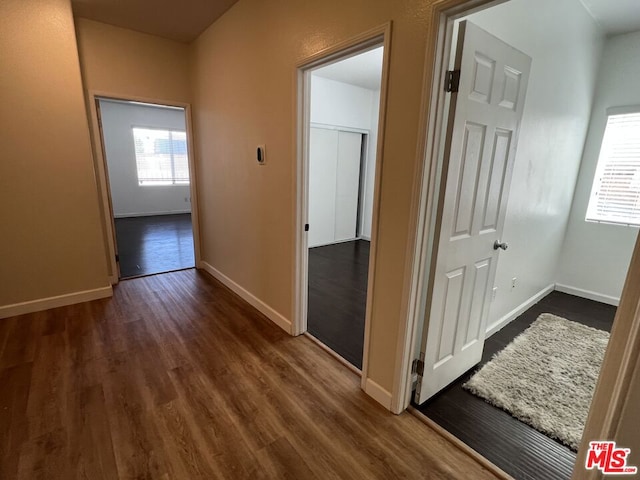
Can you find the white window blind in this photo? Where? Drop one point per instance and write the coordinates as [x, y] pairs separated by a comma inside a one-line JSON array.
[[615, 196], [161, 156]]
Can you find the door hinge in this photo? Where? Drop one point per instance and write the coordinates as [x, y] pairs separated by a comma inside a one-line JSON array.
[[417, 367], [306, 227], [452, 81]]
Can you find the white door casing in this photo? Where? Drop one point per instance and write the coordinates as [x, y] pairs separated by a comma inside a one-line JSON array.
[[484, 120]]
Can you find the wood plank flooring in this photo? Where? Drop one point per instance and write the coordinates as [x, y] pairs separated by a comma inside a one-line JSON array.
[[177, 378], [512, 445], [154, 244], [337, 304]]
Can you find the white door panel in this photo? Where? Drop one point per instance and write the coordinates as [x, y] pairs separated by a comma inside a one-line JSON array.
[[479, 156], [323, 164], [334, 181], [347, 184]]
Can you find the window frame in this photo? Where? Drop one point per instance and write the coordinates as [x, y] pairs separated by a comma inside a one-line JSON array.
[[600, 165]]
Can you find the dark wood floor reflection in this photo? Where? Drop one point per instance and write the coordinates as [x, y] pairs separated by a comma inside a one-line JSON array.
[[338, 297], [154, 244], [175, 377], [512, 445]]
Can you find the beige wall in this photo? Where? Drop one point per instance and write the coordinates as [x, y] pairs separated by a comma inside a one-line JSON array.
[[618, 390], [50, 240], [127, 63], [243, 70]]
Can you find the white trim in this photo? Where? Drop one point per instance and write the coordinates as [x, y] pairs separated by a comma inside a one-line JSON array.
[[433, 113], [419, 244], [248, 297], [102, 177], [339, 128], [337, 242], [151, 214], [55, 302], [378, 393], [579, 292], [519, 310], [366, 41]]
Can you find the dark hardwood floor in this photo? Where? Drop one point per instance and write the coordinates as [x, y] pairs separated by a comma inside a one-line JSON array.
[[338, 297], [517, 448], [154, 244], [175, 377]]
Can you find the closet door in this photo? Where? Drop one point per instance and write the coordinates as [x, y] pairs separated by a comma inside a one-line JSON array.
[[347, 185], [323, 162]]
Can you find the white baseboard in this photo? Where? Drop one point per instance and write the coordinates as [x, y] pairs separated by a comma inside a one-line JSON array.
[[54, 302], [151, 214], [579, 292], [519, 310], [378, 393], [337, 242], [248, 297]]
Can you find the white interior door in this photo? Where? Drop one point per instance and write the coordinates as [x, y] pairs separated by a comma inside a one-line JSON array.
[[479, 155], [334, 182], [347, 185]]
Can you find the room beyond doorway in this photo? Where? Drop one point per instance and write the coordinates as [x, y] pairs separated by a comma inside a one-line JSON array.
[[344, 109], [149, 182], [154, 244], [514, 446], [338, 297]]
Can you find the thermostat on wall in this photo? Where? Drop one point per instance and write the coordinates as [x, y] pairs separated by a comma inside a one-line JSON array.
[[261, 154]]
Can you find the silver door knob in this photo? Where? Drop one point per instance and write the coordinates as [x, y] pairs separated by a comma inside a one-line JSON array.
[[497, 245]]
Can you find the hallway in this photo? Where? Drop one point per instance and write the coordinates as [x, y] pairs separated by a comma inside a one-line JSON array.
[[176, 377]]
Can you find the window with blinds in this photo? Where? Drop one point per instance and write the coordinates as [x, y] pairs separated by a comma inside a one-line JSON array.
[[615, 196], [161, 156]]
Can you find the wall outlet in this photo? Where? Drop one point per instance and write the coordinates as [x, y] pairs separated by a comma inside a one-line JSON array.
[[494, 293], [514, 282]]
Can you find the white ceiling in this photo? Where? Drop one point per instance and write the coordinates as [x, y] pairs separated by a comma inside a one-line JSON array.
[[615, 16], [363, 70]]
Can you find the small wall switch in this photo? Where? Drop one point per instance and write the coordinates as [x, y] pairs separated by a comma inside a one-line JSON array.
[[494, 293], [514, 282], [261, 154]]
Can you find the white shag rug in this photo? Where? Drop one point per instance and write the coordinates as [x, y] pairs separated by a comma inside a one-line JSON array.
[[546, 376]]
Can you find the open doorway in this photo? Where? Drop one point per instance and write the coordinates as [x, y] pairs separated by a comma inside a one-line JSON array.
[[550, 253], [341, 104], [343, 133], [148, 176]]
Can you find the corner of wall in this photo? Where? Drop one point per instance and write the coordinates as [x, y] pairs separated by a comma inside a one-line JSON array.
[[276, 317]]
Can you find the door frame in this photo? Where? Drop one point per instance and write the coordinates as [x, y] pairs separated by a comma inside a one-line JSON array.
[[102, 177], [434, 117], [376, 37], [622, 357]]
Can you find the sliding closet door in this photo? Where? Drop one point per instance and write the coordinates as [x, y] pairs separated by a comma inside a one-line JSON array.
[[323, 162], [347, 185], [334, 182]]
